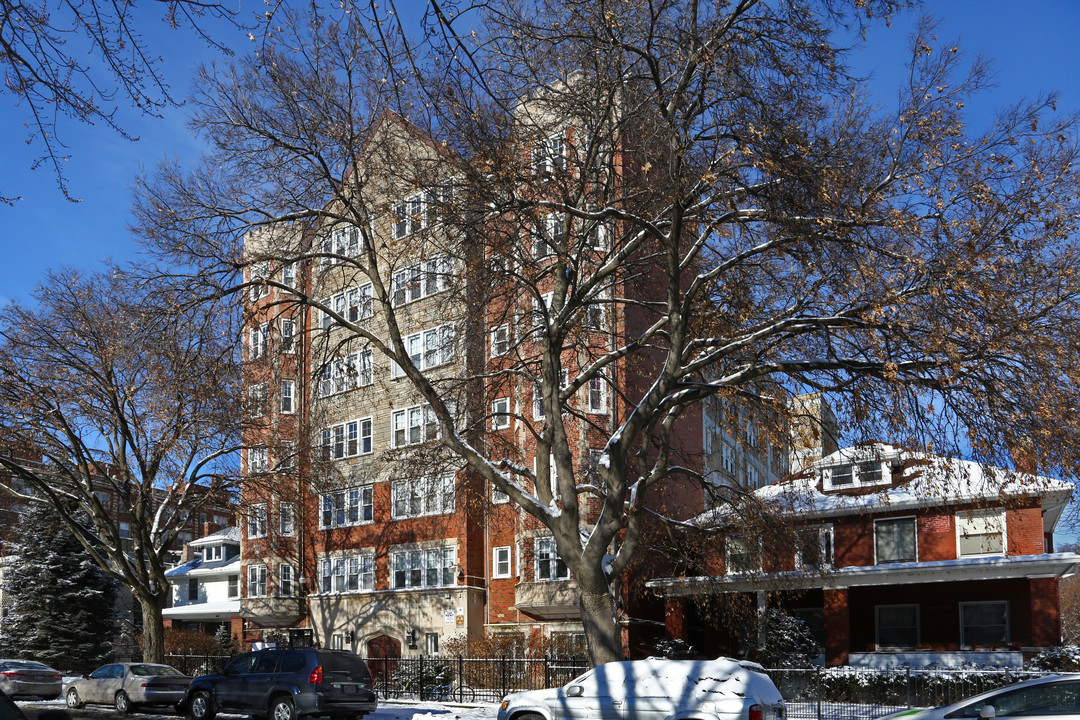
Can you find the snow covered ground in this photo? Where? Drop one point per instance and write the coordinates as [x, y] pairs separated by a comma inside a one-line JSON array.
[[386, 711]]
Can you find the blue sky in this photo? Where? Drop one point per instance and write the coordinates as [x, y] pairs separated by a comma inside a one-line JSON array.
[[1032, 45]]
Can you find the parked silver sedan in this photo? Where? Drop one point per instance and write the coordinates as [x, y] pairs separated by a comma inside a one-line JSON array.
[[20, 678], [126, 686]]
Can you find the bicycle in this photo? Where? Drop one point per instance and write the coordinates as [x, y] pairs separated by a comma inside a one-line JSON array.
[[450, 692]]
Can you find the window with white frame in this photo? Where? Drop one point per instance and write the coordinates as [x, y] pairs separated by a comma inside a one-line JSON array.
[[354, 305], [727, 458], [596, 235], [498, 496], [500, 340], [257, 341], [345, 373], [256, 581], [345, 240], [414, 425], [429, 348], [416, 497], [895, 540], [232, 586], [592, 470], [288, 335], [352, 573], [423, 568], [259, 273], [855, 474], [213, 553], [288, 274], [540, 306], [597, 395], [288, 397], [351, 506], [538, 401], [984, 624], [286, 519], [421, 280], [548, 565], [594, 314], [347, 439], [257, 521], [742, 555], [287, 461], [431, 643], [814, 548], [257, 400], [286, 587], [896, 626], [418, 211], [258, 461], [980, 532], [549, 155], [501, 562], [500, 413]]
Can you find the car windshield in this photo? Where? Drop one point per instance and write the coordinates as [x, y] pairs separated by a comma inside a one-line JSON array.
[[144, 670], [27, 664], [582, 678]]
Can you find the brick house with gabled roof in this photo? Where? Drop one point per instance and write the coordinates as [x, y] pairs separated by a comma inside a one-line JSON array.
[[899, 558]]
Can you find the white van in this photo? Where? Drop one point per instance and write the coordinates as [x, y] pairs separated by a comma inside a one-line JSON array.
[[655, 689]]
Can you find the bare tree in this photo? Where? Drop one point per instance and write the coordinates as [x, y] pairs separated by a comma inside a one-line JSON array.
[[125, 401], [671, 202], [74, 59]]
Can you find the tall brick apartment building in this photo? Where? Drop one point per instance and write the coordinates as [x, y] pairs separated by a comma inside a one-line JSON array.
[[361, 532]]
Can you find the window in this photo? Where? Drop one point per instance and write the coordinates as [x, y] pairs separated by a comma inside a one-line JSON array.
[[257, 341], [415, 568], [814, 548], [984, 623], [354, 305], [257, 521], [727, 458], [500, 562], [858, 474], [213, 552], [346, 373], [422, 496], [540, 307], [348, 439], [597, 236], [592, 470], [258, 461], [193, 590], [233, 586], [498, 496], [897, 626], [500, 414], [412, 214], [500, 340], [347, 574], [894, 540], [256, 581], [549, 155], [549, 566], [353, 506], [538, 402], [286, 519], [413, 426], [257, 400], [428, 349], [125, 531], [422, 280], [288, 274], [980, 532], [288, 394], [288, 336], [743, 555], [344, 240], [431, 642], [260, 289], [285, 580], [597, 389]]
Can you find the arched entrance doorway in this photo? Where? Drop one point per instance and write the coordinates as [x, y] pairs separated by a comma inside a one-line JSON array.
[[383, 653]]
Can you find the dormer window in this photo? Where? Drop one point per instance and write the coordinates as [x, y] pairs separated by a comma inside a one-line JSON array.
[[212, 553], [855, 474]]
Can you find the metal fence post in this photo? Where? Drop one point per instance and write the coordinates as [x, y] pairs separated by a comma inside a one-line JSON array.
[[907, 687], [420, 676], [461, 679], [817, 678], [547, 673]]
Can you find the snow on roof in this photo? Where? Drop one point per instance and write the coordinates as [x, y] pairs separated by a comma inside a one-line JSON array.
[[919, 479], [230, 535]]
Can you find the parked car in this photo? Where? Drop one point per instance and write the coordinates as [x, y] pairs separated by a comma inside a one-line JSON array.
[[655, 689], [284, 684], [21, 678], [127, 686], [1051, 696], [10, 711]]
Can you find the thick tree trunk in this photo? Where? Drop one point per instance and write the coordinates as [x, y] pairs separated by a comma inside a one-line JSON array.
[[153, 634], [598, 617]]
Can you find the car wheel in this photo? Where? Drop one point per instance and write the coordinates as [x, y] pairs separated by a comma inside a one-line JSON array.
[[282, 709], [201, 707], [73, 700], [122, 703]]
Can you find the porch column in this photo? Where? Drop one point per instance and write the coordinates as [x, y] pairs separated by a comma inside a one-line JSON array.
[[677, 618], [837, 626]]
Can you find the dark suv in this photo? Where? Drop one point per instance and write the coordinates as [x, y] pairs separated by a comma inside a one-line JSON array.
[[284, 684]]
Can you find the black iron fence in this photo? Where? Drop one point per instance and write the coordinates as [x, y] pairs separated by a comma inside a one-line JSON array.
[[867, 693]]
